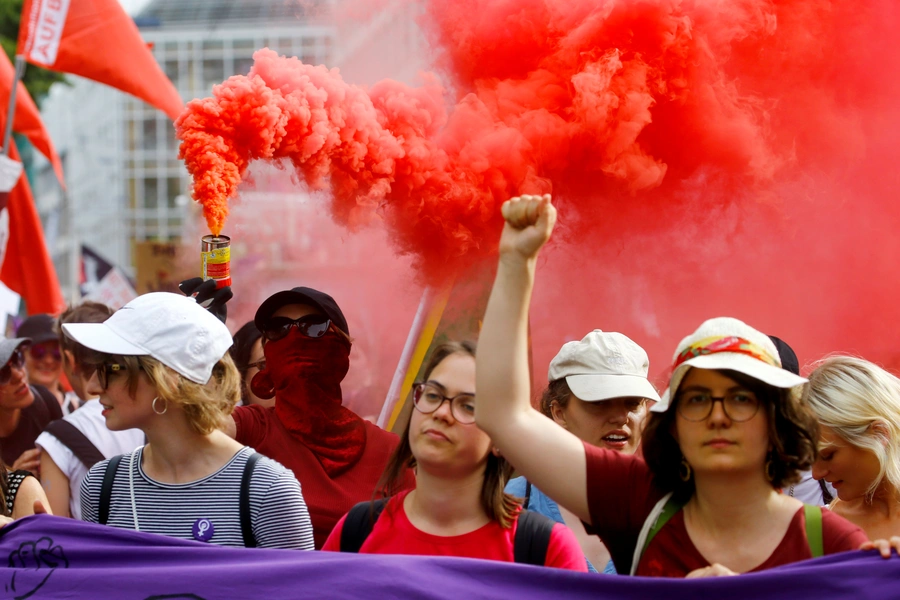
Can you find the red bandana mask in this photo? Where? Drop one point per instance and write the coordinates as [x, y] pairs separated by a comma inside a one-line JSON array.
[[305, 375]]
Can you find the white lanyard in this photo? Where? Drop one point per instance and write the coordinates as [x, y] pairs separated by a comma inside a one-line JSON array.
[[131, 489]]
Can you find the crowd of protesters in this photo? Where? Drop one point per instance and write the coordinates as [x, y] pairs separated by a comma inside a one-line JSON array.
[[174, 427]]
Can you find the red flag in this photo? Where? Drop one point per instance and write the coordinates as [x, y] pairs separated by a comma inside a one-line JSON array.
[[27, 268], [28, 120], [98, 40]]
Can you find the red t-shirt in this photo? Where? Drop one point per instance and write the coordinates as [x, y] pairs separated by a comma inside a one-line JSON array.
[[327, 499], [393, 533], [621, 495]]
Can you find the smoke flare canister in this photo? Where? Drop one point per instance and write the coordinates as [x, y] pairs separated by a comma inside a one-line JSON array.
[[215, 259]]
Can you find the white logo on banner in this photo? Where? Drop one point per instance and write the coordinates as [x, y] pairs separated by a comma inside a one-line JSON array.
[[47, 31]]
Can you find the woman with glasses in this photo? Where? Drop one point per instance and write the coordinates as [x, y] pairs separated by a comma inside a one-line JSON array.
[[19, 491], [44, 359], [163, 368], [336, 455], [458, 507], [704, 500], [25, 410], [858, 407]]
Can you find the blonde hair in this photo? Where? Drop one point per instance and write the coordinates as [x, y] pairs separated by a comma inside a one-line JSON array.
[[205, 405], [860, 401]]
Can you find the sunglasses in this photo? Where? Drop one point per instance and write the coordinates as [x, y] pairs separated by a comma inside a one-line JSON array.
[[39, 352], [105, 369], [312, 326], [16, 361]]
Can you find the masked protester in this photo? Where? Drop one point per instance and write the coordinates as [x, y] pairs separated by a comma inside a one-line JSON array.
[[337, 456]]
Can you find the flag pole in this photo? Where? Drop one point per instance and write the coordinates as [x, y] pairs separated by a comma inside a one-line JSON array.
[[11, 109], [421, 333]]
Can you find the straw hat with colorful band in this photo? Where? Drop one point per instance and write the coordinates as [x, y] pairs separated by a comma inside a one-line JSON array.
[[725, 343]]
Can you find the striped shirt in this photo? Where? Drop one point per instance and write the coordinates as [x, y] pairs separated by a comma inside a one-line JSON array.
[[206, 507]]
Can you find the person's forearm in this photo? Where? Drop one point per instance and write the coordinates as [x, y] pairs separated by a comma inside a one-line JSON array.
[[502, 377]]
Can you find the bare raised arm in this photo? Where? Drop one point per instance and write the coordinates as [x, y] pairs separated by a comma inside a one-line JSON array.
[[549, 456]]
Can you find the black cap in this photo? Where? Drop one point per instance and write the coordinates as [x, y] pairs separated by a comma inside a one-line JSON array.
[[301, 295], [39, 328], [789, 361]]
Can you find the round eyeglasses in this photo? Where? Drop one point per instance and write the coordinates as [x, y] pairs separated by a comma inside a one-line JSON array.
[[739, 406], [427, 398]]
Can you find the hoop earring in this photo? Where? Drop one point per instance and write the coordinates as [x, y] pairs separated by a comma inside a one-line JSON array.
[[159, 412], [684, 470], [769, 471]]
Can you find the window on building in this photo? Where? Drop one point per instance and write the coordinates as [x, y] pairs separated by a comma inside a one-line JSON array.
[[148, 131], [242, 65], [244, 46], [171, 68], [213, 71], [173, 190], [213, 47], [151, 192]]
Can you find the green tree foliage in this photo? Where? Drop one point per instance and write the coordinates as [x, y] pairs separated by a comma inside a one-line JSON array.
[[37, 80]]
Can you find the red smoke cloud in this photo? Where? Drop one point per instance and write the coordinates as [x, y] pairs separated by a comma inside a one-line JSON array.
[[708, 157]]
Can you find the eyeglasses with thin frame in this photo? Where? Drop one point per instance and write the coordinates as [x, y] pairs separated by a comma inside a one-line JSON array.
[[39, 352], [16, 361], [311, 326], [259, 365], [739, 405], [427, 398]]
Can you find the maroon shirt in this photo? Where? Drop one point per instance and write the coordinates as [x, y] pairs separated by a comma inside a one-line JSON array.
[[621, 495], [327, 499]]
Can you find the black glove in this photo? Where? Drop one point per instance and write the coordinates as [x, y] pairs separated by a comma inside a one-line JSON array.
[[208, 296]]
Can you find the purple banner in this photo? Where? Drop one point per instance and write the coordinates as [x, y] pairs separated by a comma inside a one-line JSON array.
[[52, 557]]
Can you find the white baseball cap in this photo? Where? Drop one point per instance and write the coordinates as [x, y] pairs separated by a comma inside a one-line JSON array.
[[603, 366], [171, 328], [727, 343]]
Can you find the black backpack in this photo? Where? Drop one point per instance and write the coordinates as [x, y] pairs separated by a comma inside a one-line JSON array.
[[530, 546]]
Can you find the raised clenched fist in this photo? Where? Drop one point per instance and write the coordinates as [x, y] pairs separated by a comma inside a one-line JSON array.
[[529, 223]]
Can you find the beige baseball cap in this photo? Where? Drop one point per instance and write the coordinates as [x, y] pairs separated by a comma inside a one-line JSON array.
[[603, 366]]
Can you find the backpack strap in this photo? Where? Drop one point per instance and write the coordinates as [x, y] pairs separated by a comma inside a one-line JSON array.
[[533, 532], [106, 490], [527, 494], [359, 523], [664, 510], [42, 409], [813, 517], [75, 440], [246, 524]]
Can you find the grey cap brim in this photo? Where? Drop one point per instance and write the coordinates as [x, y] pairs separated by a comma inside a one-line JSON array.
[[594, 387], [99, 337], [8, 346], [731, 361]]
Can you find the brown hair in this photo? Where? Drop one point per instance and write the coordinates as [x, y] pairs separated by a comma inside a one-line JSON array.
[[86, 312], [205, 405], [499, 506], [557, 391], [793, 434]]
